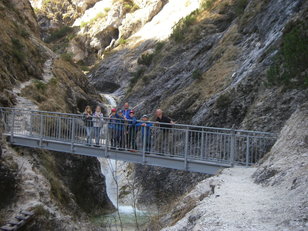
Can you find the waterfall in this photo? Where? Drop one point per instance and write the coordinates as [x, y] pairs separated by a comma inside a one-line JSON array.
[[113, 171]]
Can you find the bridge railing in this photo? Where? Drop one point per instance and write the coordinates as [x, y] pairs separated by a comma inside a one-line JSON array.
[[189, 142]]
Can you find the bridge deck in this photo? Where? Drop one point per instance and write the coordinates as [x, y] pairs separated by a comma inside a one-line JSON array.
[[183, 147]]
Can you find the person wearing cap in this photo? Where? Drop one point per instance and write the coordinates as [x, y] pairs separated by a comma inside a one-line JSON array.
[[112, 127], [146, 132], [131, 131]]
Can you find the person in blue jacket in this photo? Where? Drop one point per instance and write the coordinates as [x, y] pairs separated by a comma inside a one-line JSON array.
[[120, 127], [145, 132], [131, 131], [112, 127]]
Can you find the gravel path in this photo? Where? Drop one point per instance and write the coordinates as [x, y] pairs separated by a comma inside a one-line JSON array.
[[239, 204]]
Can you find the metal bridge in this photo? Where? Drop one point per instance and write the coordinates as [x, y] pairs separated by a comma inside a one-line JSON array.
[[177, 146]]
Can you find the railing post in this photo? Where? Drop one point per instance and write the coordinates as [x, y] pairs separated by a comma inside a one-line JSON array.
[[186, 148], [41, 129], [247, 150], [73, 134], [232, 148], [107, 140], [31, 129], [13, 127], [59, 127], [144, 143], [202, 145]]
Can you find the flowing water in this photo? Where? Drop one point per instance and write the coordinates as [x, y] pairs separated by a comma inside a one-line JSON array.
[[115, 178]]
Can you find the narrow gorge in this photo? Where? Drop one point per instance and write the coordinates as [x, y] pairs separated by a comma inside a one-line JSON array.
[[231, 64]]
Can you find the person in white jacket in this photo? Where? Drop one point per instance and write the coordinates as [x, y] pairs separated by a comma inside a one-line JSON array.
[[98, 120]]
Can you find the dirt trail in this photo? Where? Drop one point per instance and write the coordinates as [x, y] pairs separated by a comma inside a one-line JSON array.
[[239, 204]]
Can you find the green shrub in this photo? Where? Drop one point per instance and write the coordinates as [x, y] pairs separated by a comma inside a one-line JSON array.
[[53, 81], [159, 46], [291, 62], [223, 101], [136, 76], [182, 27], [207, 4], [58, 34], [239, 6], [129, 6], [17, 50], [146, 59], [39, 85], [122, 41], [24, 33], [68, 57], [197, 74]]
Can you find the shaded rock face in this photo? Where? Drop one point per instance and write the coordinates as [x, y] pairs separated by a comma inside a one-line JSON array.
[[161, 185], [8, 184], [82, 176], [63, 186]]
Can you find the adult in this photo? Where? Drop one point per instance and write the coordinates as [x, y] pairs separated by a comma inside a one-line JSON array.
[[88, 123], [98, 119], [120, 130], [112, 127], [131, 131], [165, 139], [126, 110], [162, 118]]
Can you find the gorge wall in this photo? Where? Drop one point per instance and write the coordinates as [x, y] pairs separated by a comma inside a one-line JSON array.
[[58, 187]]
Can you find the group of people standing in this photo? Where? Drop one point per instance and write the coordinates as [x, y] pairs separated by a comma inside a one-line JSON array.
[[123, 127]]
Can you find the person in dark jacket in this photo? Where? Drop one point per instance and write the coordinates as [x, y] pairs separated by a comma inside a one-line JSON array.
[[132, 131], [88, 123], [165, 123], [120, 127], [145, 132]]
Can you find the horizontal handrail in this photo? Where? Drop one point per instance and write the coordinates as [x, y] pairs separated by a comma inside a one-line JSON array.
[[153, 122]]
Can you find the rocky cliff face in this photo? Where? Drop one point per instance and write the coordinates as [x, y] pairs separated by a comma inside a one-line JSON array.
[[58, 187], [223, 65], [249, 199]]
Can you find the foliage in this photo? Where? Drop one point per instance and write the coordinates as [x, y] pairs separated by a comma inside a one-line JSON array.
[[122, 41], [182, 27], [239, 6], [146, 59], [291, 62], [58, 34], [98, 16], [68, 57], [223, 101], [197, 74], [129, 6], [137, 75], [207, 4], [24, 33], [17, 50], [39, 85], [53, 81], [159, 46]]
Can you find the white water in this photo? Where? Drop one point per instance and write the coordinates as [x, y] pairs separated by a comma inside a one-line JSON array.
[[113, 171]]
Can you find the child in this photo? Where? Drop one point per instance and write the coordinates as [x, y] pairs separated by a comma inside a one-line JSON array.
[[145, 132]]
